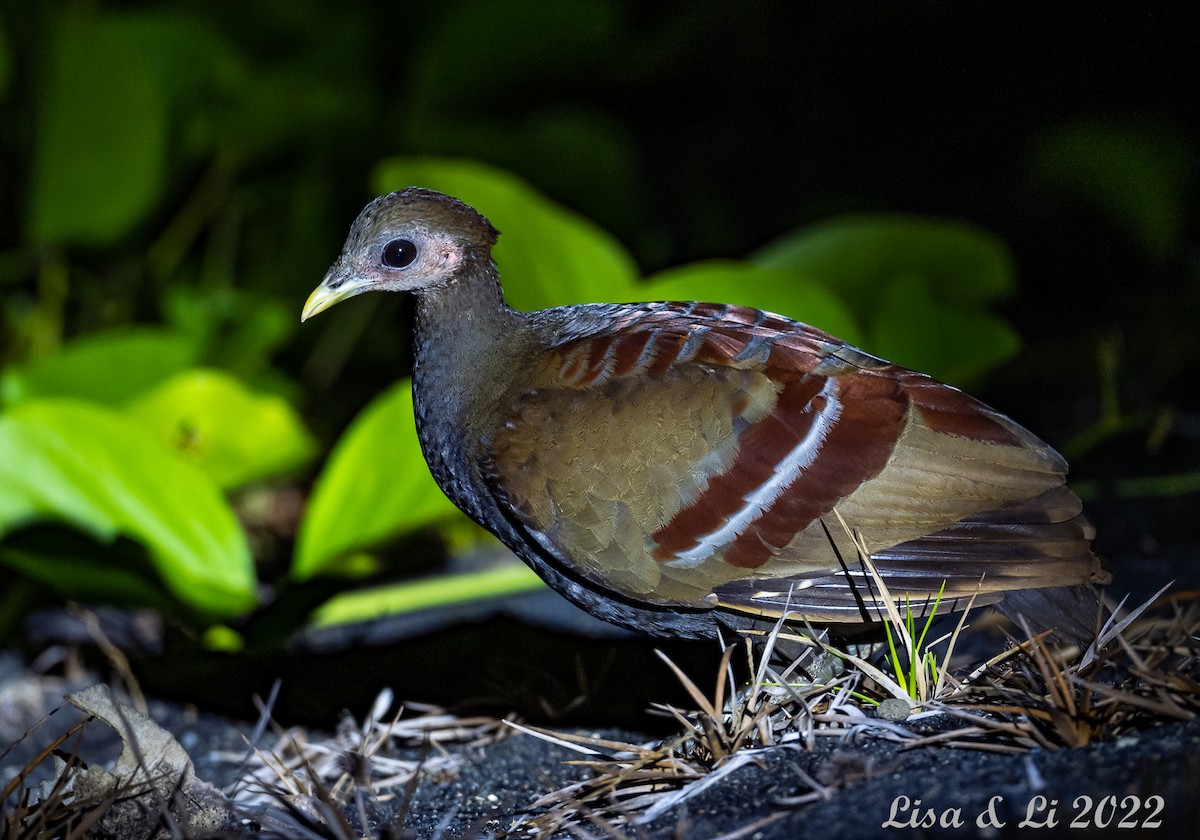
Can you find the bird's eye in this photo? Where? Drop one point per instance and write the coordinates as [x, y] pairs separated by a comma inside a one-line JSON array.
[[399, 253]]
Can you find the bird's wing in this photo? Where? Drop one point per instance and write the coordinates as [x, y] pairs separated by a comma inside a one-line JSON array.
[[706, 455]]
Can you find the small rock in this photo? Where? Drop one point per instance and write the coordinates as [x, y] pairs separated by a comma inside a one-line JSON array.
[[893, 708]]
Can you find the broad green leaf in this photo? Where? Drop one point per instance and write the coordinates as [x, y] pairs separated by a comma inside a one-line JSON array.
[[375, 486], [235, 435], [201, 72], [854, 256], [189, 56], [955, 344], [90, 468], [440, 591], [921, 285], [99, 161], [774, 290], [1140, 176], [79, 568], [548, 255], [109, 368], [577, 151]]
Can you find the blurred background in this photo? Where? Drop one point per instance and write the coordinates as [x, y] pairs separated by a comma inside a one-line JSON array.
[[999, 195]]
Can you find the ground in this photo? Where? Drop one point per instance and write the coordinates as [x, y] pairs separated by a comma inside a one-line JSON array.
[[479, 776]]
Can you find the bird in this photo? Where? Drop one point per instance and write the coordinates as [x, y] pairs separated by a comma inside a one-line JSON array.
[[683, 468]]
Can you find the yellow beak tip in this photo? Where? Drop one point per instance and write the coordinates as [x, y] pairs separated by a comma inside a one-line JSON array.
[[320, 300]]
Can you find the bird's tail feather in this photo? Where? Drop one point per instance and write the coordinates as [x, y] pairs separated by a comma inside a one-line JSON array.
[[1072, 613]]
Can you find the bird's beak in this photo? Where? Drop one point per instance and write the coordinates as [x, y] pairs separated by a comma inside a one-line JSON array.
[[327, 294]]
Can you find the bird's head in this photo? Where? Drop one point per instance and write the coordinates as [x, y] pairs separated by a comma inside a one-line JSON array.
[[405, 241]]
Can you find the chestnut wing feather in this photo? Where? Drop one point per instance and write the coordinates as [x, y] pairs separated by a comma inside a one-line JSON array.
[[693, 454]]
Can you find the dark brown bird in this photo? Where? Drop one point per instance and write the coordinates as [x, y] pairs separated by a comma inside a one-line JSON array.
[[672, 466]]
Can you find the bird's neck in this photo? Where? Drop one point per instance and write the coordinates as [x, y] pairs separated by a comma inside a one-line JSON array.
[[469, 346]]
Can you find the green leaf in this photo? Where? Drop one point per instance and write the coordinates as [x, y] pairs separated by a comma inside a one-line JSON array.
[[80, 568], [921, 285], [855, 255], [222, 639], [576, 151], [235, 435], [99, 161], [440, 591], [374, 487], [951, 343], [190, 57], [1141, 177], [548, 255], [109, 368], [787, 293], [88, 467]]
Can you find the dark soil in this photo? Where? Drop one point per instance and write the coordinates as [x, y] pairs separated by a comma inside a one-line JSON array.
[[878, 788]]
